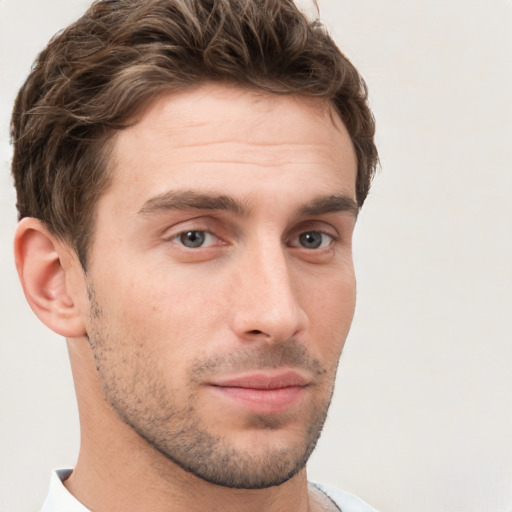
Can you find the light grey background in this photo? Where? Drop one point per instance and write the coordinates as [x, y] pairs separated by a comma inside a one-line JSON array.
[[422, 416]]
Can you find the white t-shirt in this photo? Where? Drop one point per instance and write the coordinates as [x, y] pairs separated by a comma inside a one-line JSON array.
[[59, 499]]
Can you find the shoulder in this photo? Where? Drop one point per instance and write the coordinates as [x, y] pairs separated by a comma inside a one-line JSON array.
[[345, 501]]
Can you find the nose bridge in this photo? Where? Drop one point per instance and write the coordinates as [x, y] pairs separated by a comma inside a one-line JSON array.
[[267, 303]]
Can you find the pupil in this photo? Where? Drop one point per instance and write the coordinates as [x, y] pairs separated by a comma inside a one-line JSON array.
[[192, 238], [311, 240]]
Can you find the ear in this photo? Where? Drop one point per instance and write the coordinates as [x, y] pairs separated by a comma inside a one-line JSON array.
[[45, 266]]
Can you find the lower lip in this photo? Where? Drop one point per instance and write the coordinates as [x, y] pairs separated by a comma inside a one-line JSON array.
[[262, 401]]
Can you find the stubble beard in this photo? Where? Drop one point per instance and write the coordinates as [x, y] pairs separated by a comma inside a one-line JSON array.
[[176, 431]]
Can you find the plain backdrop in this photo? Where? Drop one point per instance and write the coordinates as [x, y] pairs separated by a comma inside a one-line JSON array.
[[422, 416]]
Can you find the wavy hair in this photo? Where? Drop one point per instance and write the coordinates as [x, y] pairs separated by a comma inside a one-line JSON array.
[[97, 74]]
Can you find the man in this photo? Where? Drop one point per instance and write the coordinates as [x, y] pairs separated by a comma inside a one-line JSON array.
[[189, 173]]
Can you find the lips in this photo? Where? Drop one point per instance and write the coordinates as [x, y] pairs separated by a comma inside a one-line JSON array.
[[262, 393], [264, 381]]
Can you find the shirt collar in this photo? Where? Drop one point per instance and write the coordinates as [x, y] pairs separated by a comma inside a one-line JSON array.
[[59, 499]]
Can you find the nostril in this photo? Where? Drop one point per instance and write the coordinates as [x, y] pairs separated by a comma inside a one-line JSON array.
[[255, 331]]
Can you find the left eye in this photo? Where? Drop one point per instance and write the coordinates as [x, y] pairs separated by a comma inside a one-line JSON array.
[[314, 240], [194, 239]]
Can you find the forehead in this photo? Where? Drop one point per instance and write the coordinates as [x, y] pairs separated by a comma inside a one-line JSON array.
[[221, 131]]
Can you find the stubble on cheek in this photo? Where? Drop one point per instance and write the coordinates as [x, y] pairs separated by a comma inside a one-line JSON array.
[[170, 414]]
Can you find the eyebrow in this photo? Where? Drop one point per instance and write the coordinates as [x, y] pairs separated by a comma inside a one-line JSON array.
[[191, 200], [330, 204]]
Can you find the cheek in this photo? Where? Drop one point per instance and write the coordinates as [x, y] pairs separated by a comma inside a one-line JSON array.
[[171, 314], [330, 309], [330, 294]]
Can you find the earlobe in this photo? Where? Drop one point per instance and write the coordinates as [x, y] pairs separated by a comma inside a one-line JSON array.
[[43, 263]]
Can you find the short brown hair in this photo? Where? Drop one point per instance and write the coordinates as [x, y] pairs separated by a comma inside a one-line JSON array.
[[93, 77]]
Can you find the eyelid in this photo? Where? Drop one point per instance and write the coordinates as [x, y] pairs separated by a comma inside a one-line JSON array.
[[193, 223], [317, 225]]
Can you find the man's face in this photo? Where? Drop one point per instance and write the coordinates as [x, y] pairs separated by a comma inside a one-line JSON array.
[[220, 281]]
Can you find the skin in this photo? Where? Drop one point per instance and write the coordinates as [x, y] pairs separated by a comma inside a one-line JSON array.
[[157, 331]]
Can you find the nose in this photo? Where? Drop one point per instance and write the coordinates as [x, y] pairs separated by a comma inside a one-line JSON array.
[[265, 303]]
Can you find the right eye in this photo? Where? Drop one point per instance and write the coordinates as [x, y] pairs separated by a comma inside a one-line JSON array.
[[194, 239]]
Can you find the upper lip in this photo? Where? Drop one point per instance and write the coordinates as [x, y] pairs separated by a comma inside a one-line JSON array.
[[263, 380]]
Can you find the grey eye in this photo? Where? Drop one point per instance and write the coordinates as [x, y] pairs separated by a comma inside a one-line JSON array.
[[193, 239], [311, 239]]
